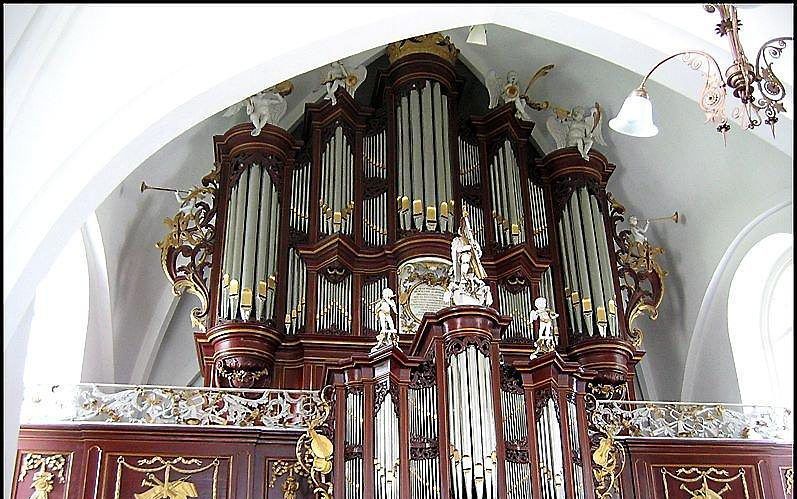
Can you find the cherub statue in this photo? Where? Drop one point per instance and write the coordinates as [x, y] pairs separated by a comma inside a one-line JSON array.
[[509, 91], [385, 308], [637, 232], [576, 128], [545, 340], [546, 317], [338, 75], [266, 106], [466, 286]]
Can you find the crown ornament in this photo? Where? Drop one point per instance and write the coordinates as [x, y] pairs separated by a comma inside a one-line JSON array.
[[432, 43]]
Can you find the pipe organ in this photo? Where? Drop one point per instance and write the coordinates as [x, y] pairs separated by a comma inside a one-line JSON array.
[[367, 194]]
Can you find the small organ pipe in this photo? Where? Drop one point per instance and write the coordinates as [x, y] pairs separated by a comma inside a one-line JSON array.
[[607, 276]]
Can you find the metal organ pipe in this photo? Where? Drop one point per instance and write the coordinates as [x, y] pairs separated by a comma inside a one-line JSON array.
[[592, 252], [472, 425], [229, 243], [605, 263], [263, 241]]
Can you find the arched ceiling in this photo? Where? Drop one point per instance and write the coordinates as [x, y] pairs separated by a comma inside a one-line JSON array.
[[151, 111]]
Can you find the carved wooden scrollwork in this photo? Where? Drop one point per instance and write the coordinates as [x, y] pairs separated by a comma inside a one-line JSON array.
[[641, 277], [271, 163], [423, 376], [517, 451], [187, 249], [455, 346], [510, 380]]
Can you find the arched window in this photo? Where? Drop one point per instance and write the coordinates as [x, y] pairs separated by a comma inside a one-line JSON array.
[[761, 322]]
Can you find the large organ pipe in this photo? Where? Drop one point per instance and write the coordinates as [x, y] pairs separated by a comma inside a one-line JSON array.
[[593, 261], [238, 244], [263, 239], [603, 255], [229, 250]]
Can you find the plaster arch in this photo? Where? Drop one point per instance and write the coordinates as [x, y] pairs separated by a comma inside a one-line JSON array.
[[710, 374]]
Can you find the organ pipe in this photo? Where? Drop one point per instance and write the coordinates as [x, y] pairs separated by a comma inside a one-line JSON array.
[[424, 160], [337, 190], [473, 437], [251, 246]]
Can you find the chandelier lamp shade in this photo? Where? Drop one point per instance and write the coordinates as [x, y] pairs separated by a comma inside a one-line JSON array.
[[758, 89]]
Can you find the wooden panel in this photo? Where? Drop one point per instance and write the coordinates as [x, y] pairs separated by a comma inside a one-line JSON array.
[[732, 469]]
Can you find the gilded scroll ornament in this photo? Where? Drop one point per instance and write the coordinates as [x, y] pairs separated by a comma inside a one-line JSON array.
[[689, 420], [49, 467], [609, 461], [187, 249], [641, 276], [273, 409], [167, 488], [314, 451], [704, 491]]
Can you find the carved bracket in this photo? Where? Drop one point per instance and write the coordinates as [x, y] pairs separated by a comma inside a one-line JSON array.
[[186, 251], [641, 277]]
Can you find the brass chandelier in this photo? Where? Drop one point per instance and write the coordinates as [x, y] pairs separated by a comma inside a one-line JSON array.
[[743, 78]]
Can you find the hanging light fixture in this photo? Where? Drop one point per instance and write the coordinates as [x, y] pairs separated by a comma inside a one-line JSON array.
[[636, 115], [477, 35]]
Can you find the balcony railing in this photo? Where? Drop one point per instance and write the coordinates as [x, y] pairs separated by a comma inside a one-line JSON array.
[[623, 419], [171, 405]]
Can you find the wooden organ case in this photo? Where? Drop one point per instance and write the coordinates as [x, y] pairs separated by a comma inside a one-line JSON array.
[[305, 230], [312, 225]]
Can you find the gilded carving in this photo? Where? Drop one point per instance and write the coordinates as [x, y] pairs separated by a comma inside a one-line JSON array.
[[186, 250], [641, 276], [787, 477], [609, 461], [314, 451], [433, 43], [290, 486], [49, 467], [720, 477], [167, 488]]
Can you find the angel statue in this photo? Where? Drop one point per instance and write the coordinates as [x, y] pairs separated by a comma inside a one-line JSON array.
[[509, 91], [266, 106], [637, 232], [338, 75], [385, 308], [575, 128]]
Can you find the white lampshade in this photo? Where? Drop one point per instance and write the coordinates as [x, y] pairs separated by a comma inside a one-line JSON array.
[[636, 116], [477, 35]]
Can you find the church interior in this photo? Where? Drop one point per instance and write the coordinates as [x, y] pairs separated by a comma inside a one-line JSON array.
[[504, 252]]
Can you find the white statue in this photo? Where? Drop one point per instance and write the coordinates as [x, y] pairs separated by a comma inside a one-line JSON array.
[[637, 232], [466, 286], [338, 76], [576, 128], [266, 106], [385, 308], [545, 341], [509, 91], [546, 317]]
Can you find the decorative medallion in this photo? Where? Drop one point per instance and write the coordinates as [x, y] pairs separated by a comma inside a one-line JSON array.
[[422, 285], [291, 470]]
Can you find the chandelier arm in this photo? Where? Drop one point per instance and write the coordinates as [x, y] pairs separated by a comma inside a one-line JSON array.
[[673, 56], [775, 46]]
